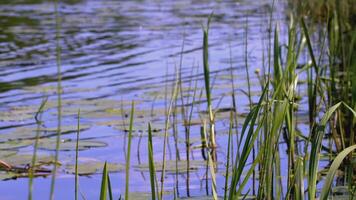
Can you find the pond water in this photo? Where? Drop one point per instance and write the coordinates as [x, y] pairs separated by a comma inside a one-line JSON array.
[[113, 52]]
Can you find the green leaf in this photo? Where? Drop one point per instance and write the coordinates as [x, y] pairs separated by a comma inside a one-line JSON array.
[[332, 170], [129, 152], [104, 183], [151, 163], [318, 135]]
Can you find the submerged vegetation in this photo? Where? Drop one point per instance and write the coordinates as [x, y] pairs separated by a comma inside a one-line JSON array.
[[285, 146]]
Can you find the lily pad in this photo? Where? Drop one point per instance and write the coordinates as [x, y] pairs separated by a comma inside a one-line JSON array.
[[192, 122], [92, 108], [117, 122], [5, 153], [140, 195], [99, 104], [51, 89], [149, 114], [67, 129], [94, 167], [248, 197], [98, 115], [123, 122], [26, 159], [162, 93], [143, 127], [68, 144], [32, 109], [198, 198], [146, 195], [22, 133], [15, 144], [170, 166], [15, 116], [6, 175], [19, 134], [73, 110]]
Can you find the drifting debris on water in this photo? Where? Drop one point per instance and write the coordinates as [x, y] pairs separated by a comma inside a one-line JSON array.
[[18, 166]]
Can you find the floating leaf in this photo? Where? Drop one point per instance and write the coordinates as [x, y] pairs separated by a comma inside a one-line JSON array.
[[15, 144], [26, 159], [170, 166], [68, 144], [145, 195], [198, 198], [93, 167], [98, 115], [247, 197], [191, 140], [22, 133], [122, 122], [162, 93], [99, 104], [67, 129], [73, 110], [149, 114], [52, 89], [15, 116], [92, 108], [19, 134], [142, 127], [32, 109], [117, 122], [5, 153], [6, 175], [140, 196]]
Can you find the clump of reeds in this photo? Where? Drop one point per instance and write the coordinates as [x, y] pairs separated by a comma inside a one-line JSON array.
[[270, 119]]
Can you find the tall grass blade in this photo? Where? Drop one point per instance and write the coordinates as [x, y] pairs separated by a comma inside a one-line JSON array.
[[213, 176], [332, 171], [34, 156], [76, 158], [128, 156], [110, 189], [59, 97], [312, 92], [310, 48], [104, 183], [206, 61], [151, 163], [299, 179], [207, 82], [249, 142], [248, 174], [317, 138], [228, 157], [166, 127]]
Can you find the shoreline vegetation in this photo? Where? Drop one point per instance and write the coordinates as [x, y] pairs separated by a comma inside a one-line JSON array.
[[318, 58]]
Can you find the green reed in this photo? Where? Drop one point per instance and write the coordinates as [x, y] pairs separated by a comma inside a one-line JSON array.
[[207, 83], [59, 97], [276, 107], [229, 142], [77, 158], [166, 127], [151, 163], [331, 93], [32, 169], [104, 183], [128, 156]]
